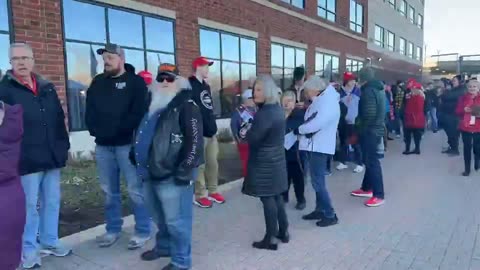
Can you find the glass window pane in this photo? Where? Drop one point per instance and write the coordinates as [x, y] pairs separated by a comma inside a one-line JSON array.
[[249, 50], [215, 82], [230, 49], [155, 59], [159, 35], [247, 71], [335, 63], [136, 59], [352, 10], [125, 28], [3, 15], [300, 59], [277, 75], [319, 62], [289, 57], [359, 14], [4, 61], [331, 17], [322, 3], [230, 86], [298, 3], [287, 78], [331, 5], [82, 65], [84, 21], [277, 56], [210, 44]]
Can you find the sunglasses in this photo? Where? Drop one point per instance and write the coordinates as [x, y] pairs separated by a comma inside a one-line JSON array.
[[169, 79]]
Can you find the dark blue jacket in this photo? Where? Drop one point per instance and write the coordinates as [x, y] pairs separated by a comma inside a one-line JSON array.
[[294, 121]]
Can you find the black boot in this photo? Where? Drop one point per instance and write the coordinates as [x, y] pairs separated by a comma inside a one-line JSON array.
[[466, 173], [284, 237], [266, 243], [406, 152], [416, 151], [325, 222], [315, 215], [301, 205], [476, 165], [151, 255]]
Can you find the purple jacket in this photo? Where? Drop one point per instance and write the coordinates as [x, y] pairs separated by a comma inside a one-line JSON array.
[[12, 198]]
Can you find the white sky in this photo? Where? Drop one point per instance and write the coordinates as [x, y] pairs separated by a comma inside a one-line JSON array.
[[452, 26]]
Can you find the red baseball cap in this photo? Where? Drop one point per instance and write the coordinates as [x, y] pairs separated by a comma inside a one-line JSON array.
[[147, 76], [348, 76], [417, 85], [410, 83], [200, 62]]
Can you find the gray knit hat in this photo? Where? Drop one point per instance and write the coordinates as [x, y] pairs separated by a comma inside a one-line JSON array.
[[366, 74]]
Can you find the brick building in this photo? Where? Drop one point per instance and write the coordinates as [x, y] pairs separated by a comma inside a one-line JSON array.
[[243, 37]]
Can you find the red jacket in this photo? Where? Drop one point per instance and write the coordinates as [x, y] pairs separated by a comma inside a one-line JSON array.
[[467, 100], [414, 110]]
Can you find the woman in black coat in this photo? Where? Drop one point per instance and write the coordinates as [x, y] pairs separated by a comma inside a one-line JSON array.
[[267, 174]]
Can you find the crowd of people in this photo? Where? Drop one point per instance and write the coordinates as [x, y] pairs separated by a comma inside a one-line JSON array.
[[161, 137]]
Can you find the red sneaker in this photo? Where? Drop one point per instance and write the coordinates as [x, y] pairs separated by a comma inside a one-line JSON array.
[[216, 197], [374, 201], [361, 193], [203, 202]]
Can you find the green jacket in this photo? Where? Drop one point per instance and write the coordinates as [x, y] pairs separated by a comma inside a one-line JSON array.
[[371, 113]]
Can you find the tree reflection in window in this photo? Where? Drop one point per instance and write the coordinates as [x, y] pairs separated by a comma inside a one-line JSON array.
[[148, 41], [326, 65], [4, 37], [284, 59], [235, 62]]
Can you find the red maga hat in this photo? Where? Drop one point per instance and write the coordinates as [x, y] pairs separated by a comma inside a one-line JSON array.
[[147, 76], [348, 76], [200, 62]]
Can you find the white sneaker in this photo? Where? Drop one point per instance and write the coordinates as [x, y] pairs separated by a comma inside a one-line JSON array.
[[342, 166], [398, 136], [31, 261], [358, 169], [137, 242]]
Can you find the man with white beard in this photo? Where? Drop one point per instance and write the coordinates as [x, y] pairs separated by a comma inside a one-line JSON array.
[[168, 146]]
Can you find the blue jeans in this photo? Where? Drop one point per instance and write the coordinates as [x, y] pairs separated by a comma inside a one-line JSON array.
[[432, 114], [111, 160], [171, 206], [43, 186], [373, 178], [317, 164]]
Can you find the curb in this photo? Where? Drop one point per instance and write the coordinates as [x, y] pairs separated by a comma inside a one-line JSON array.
[[128, 221]]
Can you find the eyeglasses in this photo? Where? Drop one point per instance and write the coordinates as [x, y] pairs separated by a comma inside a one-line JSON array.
[[20, 58], [169, 79]]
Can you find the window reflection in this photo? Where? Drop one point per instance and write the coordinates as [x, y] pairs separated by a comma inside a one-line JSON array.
[[4, 61], [158, 34], [284, 60], [3, 16], [289, 57], [327, 65], [353, 65], [84, 21], [277, 56], [125, 28], [87, 23], [233, 67]]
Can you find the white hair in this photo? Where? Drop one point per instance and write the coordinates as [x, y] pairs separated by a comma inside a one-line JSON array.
[[19, 45], [160, 99], [289, 94], [315, 83], [270, 89]]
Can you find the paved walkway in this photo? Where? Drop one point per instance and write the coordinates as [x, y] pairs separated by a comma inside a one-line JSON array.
[[430, 221]]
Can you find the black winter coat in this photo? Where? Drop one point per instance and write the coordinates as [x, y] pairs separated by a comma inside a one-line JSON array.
[[45, 142], [294, 120], [449, 100], [267, 172]]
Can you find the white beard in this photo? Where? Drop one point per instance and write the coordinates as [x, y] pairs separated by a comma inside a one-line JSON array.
[[160, 100]]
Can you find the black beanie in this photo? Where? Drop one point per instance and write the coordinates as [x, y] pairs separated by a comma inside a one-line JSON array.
[[298, 73]]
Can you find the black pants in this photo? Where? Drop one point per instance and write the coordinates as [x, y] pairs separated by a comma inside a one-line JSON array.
[[471, 141], [417, 137], [450, 124], [295, 176], [276, 221]]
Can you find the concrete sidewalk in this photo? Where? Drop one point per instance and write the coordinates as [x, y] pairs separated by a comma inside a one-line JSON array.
[[430, 221]]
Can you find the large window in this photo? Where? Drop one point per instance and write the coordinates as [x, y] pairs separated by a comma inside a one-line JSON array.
[[392, 3], [391, 41], [411, 14], [148, 41], [296, 3], [403, 8], [326, 65], [410, 50], [327, 9], [4, 36], [354, 65], [403, 46], [420, 21], [380, 36], [418, 53], [284, 60], [356, 16], [235, 62]]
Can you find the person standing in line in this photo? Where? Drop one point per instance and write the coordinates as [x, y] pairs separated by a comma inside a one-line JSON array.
[[44, 151], [298, 85], [113, 127], [318, 141], [168, 147], [294, 118], [414, 118], [450, 119], [468, 110], [350, 98], [206, 186], [398, 106], [372, 129], [12, 197], [240, 118], [432, 99], [267, 173]]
